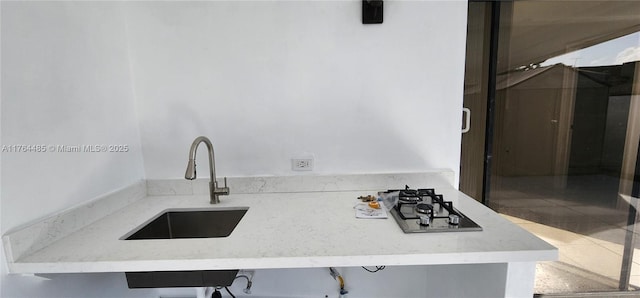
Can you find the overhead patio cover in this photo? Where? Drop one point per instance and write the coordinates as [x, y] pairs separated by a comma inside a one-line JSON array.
[[542, 29]]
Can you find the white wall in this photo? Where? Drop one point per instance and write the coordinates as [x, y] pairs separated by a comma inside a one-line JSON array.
[[267, 81], [65, 80]]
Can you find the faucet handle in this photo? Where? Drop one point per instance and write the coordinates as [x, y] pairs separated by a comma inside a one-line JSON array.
[[222, 190], [225, 188]]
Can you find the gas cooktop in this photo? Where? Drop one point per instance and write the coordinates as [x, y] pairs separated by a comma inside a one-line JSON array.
[[424, 211]]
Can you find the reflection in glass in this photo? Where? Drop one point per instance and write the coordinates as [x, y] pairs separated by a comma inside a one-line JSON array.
[[565, 142]]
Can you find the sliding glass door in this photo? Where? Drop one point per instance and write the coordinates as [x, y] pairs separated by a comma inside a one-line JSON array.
[[554, 93]]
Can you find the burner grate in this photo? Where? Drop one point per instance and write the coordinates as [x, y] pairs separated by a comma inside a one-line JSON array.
[[413, 205]]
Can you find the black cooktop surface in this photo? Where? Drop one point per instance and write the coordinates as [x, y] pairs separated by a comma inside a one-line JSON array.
[[425, 211]]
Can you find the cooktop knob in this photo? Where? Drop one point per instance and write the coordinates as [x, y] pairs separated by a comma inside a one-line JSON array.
[[424, 220], [454, 219]]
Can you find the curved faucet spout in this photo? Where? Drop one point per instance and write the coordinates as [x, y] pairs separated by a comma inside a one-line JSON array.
[[214, 191], [191, 166]]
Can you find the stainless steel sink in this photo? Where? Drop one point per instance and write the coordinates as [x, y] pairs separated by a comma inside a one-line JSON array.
[[189, 223]]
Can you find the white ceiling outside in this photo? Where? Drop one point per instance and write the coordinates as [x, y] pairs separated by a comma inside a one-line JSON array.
[[544, 29]]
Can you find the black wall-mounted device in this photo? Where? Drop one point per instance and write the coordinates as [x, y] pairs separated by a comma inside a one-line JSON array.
[[372, 11]]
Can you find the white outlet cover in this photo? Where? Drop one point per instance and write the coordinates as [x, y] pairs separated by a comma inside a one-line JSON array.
[[302, 164]]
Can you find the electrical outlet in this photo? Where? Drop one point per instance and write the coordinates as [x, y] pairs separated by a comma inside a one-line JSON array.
[[302, 164]]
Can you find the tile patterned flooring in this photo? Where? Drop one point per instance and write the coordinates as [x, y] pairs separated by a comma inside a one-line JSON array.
[[581, 219]]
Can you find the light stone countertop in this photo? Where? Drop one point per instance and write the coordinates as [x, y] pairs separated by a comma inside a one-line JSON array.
[[282, 230]]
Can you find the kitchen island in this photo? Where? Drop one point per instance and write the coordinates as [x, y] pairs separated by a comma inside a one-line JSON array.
[[292, 222]]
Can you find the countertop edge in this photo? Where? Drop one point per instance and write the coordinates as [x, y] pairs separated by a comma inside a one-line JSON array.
[[286, 262]]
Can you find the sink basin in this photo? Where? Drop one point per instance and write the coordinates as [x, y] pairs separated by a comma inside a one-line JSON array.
[[174, 279], [189, 223]]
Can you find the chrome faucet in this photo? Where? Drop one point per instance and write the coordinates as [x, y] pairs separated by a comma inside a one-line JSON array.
[[214, 191]]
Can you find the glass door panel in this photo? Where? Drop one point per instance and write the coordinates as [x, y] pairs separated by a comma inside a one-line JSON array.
[[565, 136]]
